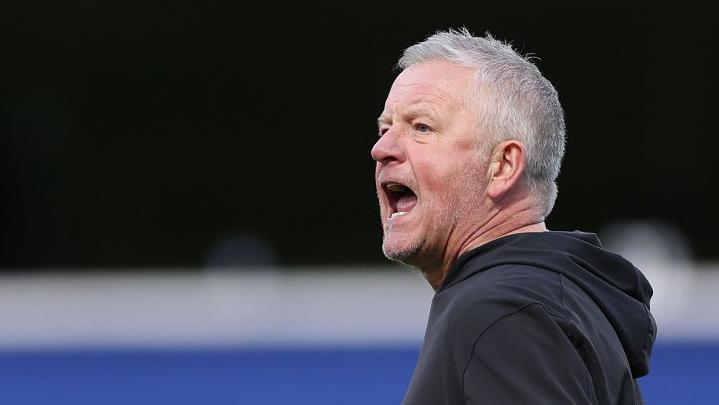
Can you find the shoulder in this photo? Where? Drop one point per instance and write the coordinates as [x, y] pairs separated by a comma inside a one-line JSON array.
[[524, 357], [492, 297], [503, 290]]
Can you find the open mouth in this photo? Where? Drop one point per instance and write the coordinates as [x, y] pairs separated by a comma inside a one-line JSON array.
[[401, 199]]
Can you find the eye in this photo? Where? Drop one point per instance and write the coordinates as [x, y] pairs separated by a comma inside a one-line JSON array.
[[382, 131], [422, 128]]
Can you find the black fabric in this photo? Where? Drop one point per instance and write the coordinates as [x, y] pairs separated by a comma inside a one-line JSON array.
[[536, 318]]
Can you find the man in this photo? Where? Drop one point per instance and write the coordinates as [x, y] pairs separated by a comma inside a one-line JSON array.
[[471, 141]]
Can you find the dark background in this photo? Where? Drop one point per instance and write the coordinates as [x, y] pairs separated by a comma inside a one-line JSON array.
[[150, 134]]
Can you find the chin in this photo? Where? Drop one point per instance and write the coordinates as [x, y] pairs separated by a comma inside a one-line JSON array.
[[402, 252]]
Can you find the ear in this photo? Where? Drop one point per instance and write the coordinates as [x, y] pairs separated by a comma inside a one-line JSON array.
[[506, 168]]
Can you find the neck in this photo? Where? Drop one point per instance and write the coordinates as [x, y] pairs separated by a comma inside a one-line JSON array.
[[497, 225]]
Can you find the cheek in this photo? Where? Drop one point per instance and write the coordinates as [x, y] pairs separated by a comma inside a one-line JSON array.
[[436, 176], [450, 186], [437, 196]]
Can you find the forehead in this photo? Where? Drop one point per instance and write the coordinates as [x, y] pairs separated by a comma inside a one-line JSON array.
[[434, 85]]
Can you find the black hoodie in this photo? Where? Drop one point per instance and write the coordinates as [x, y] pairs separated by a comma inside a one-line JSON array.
[[536, 318]]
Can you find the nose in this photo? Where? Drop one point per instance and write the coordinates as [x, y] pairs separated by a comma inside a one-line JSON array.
[[387, 149]]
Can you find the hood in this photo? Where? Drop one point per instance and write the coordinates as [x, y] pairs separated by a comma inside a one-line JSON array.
[[620, 290]]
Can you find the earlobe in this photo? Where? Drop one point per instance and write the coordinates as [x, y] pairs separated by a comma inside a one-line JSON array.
[[505, 168]]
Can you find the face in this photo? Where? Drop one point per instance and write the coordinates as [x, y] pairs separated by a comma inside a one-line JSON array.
[[430, 175]]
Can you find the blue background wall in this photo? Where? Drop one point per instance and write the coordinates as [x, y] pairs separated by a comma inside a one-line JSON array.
[[682, 373]]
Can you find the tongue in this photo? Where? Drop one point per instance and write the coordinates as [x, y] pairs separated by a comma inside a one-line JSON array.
[[406, 202]]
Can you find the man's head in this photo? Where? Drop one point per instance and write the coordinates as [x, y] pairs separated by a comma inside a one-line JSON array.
[[470, 130]]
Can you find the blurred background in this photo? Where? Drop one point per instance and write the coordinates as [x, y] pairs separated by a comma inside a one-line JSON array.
[[187, 207]]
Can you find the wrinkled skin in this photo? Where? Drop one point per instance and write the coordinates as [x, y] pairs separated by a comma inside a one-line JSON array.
[[429, 142]]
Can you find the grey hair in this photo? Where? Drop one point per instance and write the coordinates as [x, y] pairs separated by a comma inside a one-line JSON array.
[[512, 98]]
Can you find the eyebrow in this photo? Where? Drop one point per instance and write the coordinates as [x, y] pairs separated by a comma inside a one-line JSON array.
[[382, 119], [413, 111]]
